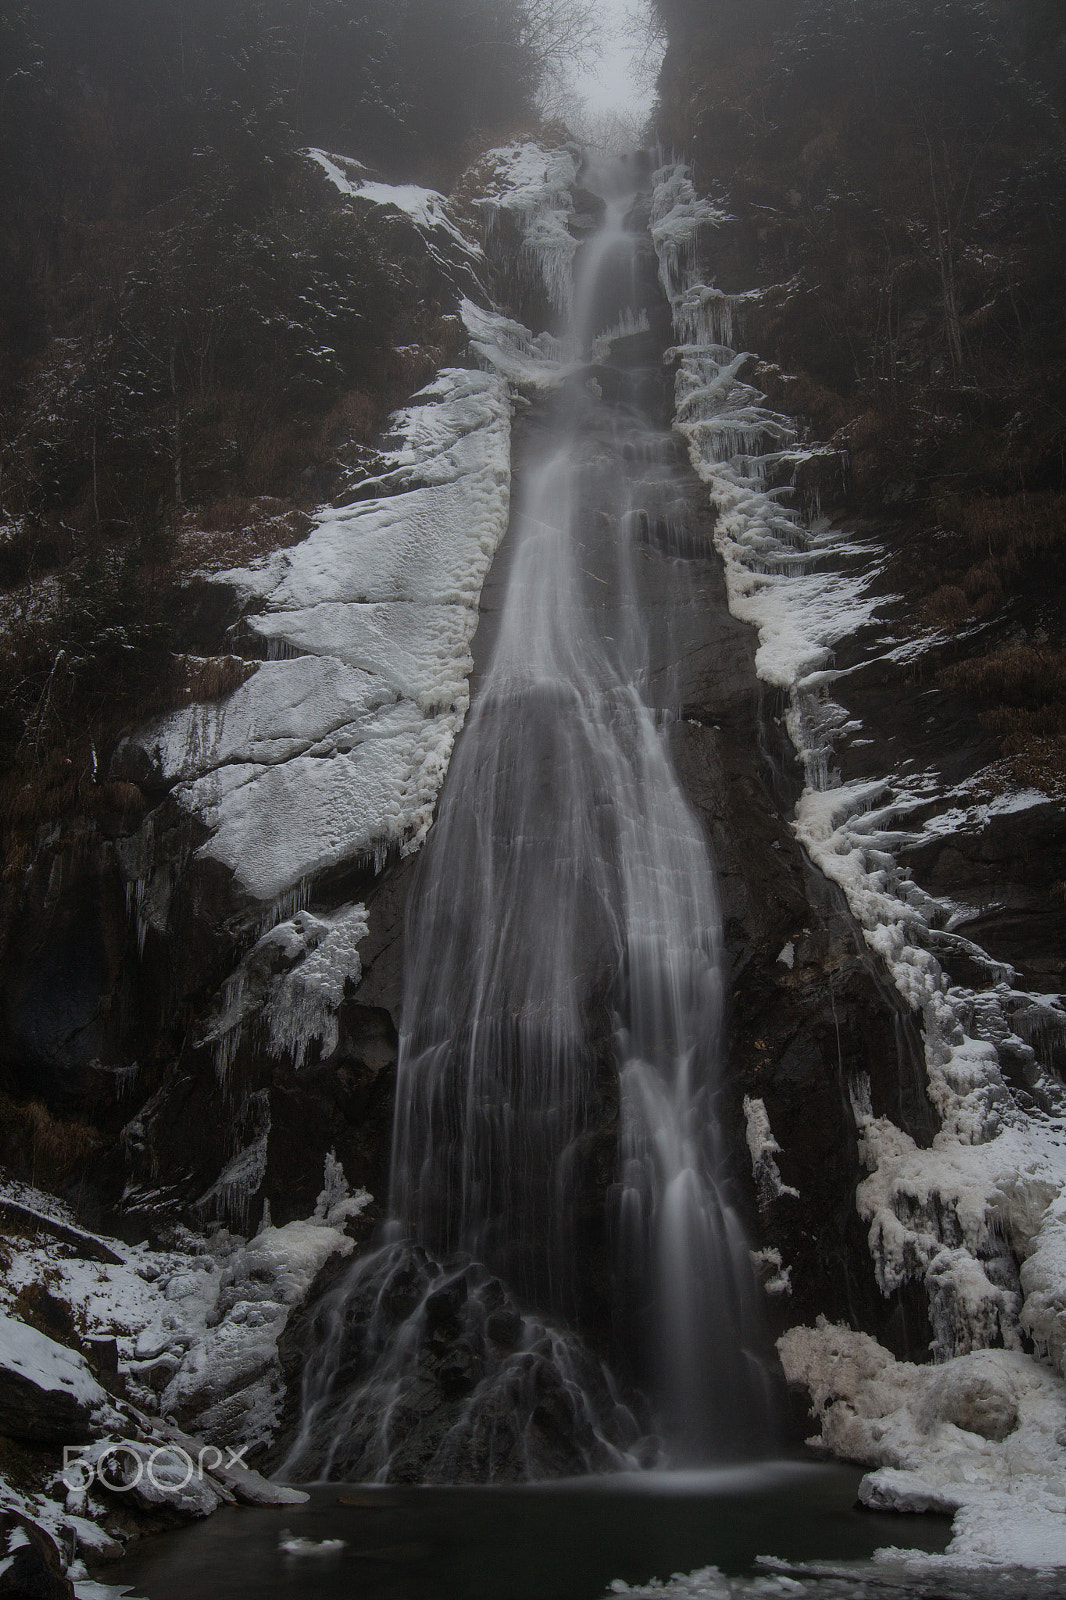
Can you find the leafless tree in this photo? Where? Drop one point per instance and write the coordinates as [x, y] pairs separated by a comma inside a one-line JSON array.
[[562, 34]]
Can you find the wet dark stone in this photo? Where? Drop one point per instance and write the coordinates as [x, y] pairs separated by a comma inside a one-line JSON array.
[[504, 1327], [31, 1567], [458, 1403]]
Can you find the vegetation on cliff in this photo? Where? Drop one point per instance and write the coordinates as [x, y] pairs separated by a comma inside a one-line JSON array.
[[897, 171], [195, 331]]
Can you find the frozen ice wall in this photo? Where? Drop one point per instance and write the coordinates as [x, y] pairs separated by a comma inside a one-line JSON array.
[[979, 1217]]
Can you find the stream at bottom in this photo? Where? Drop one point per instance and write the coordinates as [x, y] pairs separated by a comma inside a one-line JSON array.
[[555, 1541]]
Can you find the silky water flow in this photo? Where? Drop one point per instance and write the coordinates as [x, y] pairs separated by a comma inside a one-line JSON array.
[[556, 1157]]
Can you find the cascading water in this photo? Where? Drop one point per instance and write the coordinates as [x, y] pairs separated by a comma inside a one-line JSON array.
[[555, 1127]]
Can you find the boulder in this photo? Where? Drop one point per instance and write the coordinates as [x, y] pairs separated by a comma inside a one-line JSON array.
[[30, 1565], [979, 1397], [47, 1392]]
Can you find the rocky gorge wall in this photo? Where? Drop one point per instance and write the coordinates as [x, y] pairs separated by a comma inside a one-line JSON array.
[[214, 991]]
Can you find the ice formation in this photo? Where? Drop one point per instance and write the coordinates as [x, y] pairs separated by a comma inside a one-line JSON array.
[[196, 1326], [339, 753], [763, 1147], [530, 187], [979, 1435], [293, 981], [528, 361], [986, 1194], [429, 211]]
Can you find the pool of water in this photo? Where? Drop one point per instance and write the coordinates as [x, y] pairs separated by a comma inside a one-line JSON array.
[[538, 1542]]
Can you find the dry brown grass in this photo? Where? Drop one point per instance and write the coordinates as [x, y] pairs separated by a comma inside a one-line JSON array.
[[39, 1308], [1018, 524], [1040, 764], [1008, 534], [45, 787], [46, 1150], [213, 677], [1022, 675], [241, 530], [947, 606], [801, 395], [1022, 692]]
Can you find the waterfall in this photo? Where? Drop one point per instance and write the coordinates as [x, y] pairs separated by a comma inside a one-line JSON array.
[[556, 1149]]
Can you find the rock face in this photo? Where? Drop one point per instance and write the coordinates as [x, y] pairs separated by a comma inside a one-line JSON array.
[[163, 1025], [30, 1565], [167, 1039], [425, 1371]]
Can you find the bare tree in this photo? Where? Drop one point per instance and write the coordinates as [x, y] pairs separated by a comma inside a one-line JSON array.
[[561, 36]]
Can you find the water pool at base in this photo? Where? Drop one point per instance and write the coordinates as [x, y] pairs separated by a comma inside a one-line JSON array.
[[565, 1541]]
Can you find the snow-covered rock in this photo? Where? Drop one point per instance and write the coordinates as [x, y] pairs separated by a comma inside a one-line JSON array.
[[47, 1392], [340, 753], [981, 1435]]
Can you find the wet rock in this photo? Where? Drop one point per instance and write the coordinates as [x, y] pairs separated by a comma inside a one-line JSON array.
[[504, 1327], [416, 1388], [101, 1351]]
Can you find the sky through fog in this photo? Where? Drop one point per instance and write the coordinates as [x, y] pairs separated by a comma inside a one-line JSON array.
[[612, 85]]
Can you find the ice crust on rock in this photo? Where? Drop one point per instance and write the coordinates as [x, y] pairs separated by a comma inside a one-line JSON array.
[[710, 1583], [530, 186], [229, 1380], [292, 980], [980, 1435], [985, 1199], [677, 215], [528, 361], [336, 752], [763, 1148], [197, 1328], [340, 753], [429, 211]]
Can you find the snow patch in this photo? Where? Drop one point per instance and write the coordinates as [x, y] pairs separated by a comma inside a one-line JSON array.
[[50, 1367]]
